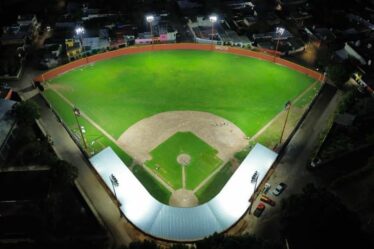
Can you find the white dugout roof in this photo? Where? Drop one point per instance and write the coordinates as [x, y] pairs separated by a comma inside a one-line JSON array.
[[184, 224]]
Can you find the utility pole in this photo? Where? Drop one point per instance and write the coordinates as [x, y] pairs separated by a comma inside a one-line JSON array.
[[115, 184], [77, 114], [287, 107]]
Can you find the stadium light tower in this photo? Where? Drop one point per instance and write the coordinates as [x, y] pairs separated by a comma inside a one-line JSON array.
[[213, 19], [115, 183], [77, 114], [79, 31], [287, 107], [253, 197], [279, 31], [150, 19]]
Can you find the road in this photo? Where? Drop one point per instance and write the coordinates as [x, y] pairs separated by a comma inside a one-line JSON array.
[[291, 168], [100, 202]]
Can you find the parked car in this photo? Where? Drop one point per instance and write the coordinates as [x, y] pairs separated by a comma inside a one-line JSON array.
[[259, 209], [279, 189], [266, 188], [267, 200]]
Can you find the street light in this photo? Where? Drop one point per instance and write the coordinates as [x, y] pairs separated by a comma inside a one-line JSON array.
[[254, 179], [77, 114], [150, 19], [79, 31], [287, 107], [213, 19], [115, 183], [278, 31]]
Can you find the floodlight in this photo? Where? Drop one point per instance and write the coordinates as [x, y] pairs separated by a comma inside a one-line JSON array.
[[79, 30], [213, 18], [279, 30], [150, 18]]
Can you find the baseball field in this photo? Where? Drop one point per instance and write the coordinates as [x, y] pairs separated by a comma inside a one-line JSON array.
[[179, 118]]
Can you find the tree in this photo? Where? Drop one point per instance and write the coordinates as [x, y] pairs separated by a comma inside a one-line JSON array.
[[339, 74], [146, 244], [220, 241], [63, 174], [317, 219], [26, 113]]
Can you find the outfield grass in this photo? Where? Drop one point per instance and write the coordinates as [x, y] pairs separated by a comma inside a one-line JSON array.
[[119, 92], [164, 160]]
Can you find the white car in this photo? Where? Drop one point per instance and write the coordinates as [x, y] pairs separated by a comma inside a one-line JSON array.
[[279, 189]]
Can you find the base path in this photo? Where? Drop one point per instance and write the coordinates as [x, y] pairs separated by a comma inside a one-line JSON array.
[[183, 198], [144, 136]]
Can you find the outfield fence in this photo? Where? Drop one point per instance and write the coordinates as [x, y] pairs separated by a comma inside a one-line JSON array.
[[177, 46]]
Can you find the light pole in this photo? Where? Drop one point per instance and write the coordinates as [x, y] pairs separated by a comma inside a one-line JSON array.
[[213, 19], [77, 114], [287, 107], [150, 19], [80, 31], [254, 179], [115, 184], [279, 32]]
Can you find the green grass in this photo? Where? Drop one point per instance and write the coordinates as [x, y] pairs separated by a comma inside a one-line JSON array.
[[164, 160], [307, 98], [215, 184], [119, 92], [151, 184]]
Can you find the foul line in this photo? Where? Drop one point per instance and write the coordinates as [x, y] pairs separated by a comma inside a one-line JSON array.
[[110, 137], [205, 181], [279, 114]]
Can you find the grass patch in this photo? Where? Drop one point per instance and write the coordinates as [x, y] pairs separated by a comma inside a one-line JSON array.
[[96, 141], [164, 160], [271, 136], [308, 96], [215, 184], [152, 185]]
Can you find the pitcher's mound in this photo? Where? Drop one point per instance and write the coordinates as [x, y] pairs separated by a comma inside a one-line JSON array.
[[183, 198], [184, 159]]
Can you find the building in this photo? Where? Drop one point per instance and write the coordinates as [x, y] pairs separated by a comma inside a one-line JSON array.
[[73, 48], [7, 126], [162, 32]]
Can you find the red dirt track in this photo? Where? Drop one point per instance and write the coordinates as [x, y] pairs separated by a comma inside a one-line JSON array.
[[177, 46]]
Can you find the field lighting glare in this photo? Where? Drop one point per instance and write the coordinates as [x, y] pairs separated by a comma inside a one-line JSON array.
[[149, 18], [79, 30], [213, 18], [279, 30]]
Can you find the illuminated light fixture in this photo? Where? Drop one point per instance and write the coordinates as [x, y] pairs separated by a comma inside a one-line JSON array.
[[79, 30], [150, 18], [213, 18], [279, 30]]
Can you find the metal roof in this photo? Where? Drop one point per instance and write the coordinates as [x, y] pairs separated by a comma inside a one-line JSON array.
[[184, 224]]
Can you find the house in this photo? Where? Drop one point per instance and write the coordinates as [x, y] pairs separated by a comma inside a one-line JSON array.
[[11, 58], [51, 55], [162, 32], [5, 92], [321, 35], [73, 48], [203, 30], [7, 127]]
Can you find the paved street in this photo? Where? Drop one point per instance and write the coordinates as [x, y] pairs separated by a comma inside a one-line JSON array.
[[105, 207], [291, 169]]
